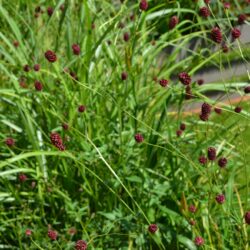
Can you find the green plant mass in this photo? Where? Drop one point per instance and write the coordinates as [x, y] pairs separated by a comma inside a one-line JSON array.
[[124, 124]]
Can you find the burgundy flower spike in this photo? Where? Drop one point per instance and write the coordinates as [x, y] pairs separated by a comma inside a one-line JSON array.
[[185, 78], [50, 56], [139, 138], [216, 35], [81, 245], [143, 5], [152, 228]]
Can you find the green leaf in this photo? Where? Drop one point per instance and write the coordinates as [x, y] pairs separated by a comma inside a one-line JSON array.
[[134, 178]]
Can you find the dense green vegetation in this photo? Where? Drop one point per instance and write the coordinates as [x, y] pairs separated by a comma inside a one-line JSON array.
[[95, 141]]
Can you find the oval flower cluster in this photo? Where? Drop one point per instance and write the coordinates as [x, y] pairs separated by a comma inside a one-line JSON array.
[[56, 140]]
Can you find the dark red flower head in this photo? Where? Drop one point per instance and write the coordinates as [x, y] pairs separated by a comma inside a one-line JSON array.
[[211, 153], [220, 198], [205, 108], [152, 228], [200, 81], [76, 49], [28, 232], [23, 84], [124, 75], [227, 5], [241, 19], [65, 126], [153, 42], [143, 5], [247, 89], [222, 162], [38, 9], [192, 222], [50, 56], [218, 110], [139, 138], [183, 126], [216, 35], [26, 68], [163, 82], [73, 75], [22, 177], [52, 234], [81, 108], [179, 132], [203, 160], [38, 86], [192, 208], [185, 78], [207, 1], [16, 43], [81, 245], [36, 67], [247, 217], [50, 11], [174, 20], [238, 109], [10, 142], [235, 33], [56, 140], [199, 241], [204, 12], [224, 48], [126, 36], [204, 117]]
